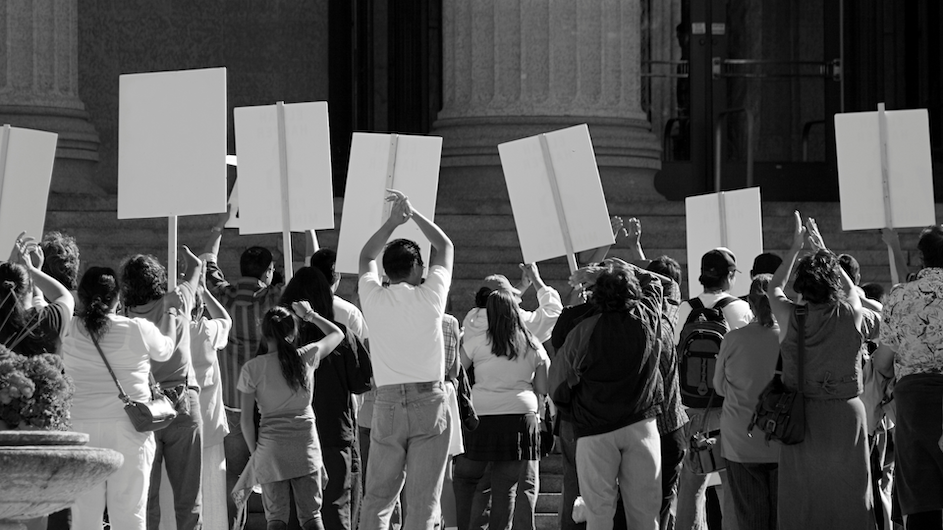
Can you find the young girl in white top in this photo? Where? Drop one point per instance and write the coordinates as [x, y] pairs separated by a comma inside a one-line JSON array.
[[287, 450]]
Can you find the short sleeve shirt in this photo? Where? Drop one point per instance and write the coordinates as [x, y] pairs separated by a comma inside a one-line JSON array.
[[405, 322], [263, 377], [913, 324]]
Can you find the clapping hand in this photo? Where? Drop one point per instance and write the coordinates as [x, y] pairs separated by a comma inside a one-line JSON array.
[[401, 211], [815, 237], [26, 251], [799, 232]]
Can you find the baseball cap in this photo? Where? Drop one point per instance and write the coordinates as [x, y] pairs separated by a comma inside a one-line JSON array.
[[718, 263], [499, 282]]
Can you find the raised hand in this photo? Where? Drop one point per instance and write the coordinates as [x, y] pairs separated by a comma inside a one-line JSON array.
[[799, 232], [401, 211], [301, 308], [815, 237], [585, 276], [633, 230]]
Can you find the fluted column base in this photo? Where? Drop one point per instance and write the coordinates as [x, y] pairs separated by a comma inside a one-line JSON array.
[[77, 148], [627, 153]]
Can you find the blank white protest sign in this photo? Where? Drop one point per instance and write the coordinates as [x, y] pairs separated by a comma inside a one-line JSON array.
[[545, 216], [172, 143], [731, 219], [414, 168], [910, 171], [310, 188], [26, 160]]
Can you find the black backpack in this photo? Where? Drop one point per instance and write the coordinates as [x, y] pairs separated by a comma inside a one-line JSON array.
[[698, 347]]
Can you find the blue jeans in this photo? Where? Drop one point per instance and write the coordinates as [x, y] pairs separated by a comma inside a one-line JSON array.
[[180, 448], [504, 478], [307, 492], [410, 430]]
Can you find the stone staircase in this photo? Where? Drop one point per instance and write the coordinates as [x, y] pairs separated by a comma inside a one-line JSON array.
[[484, 235], [550, 498]]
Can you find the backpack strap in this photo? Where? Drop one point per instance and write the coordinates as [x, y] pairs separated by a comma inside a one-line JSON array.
[[696, 303], [724, 302]]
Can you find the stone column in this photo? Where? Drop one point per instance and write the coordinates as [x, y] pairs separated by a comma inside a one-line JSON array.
[[515, 68], [39, 82]]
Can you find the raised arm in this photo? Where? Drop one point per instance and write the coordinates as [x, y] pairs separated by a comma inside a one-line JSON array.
[[445, 251], [30, 255], [333, 336], [399, 214], [779, 303]]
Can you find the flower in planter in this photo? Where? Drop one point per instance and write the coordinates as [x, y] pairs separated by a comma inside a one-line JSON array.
[[35, 392]]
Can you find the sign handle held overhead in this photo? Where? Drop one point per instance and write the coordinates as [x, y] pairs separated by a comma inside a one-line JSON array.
[[558, 204], [390, 167], [722, 207], [885, 180], [171, 253], [283, 170], [4, 150]]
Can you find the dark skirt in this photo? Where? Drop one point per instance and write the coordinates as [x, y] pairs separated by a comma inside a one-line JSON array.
[[919, 472], [503, 438], [825, 480]]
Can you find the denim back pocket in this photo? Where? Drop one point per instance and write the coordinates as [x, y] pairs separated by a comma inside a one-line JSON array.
[[429, 416], [384, 420]]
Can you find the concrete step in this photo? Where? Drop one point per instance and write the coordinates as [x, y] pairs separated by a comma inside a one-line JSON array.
[[549, 502], [546, 521]]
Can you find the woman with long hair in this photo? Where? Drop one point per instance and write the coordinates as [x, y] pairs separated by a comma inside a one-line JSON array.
[[510, 382], [28, 326], [342, 372], [286, 454], [745, 364], [825, 480], [129, 345]]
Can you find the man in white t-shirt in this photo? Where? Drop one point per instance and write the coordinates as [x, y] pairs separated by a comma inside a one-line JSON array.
[[718, 273], [410, 428]]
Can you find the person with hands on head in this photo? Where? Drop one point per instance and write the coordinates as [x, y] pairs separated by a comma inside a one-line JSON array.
[[411, 431], [29, 326], [286, 452], [910, 351], [824, 481]]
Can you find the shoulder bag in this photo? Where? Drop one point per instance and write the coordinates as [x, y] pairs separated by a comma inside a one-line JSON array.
[[151, 415], [705, 447], [780, 412]]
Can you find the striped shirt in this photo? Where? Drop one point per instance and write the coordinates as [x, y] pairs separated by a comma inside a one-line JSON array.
[[247, 299]]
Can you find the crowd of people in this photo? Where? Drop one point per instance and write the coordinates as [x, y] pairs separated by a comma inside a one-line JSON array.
[[387, 411]]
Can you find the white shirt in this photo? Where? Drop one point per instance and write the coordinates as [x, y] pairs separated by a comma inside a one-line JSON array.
[[540, 322], [406, 327], [347, 314], [129, 345], [737, 313]]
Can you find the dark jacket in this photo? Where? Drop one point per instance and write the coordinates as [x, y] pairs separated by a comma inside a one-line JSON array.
[[606, 374]]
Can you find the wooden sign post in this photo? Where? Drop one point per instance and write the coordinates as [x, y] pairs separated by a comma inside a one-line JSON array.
[[731, 219], [553, 181], [172, 131]]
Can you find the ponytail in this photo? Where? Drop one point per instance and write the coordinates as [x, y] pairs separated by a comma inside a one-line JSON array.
[[98, 292], [278, 324]]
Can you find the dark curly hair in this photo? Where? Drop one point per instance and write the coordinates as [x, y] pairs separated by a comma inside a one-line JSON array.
[[98, 292], [399, 256], [667, 267], [143, 280], [818, 278], [616, 290], [62, 259], [18, 326]]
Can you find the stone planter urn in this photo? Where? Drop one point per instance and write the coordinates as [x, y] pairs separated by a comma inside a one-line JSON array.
[[44, 471]]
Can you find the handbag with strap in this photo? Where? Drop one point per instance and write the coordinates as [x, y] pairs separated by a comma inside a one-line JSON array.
[[705, 447], [151, 415], [780, 412]]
